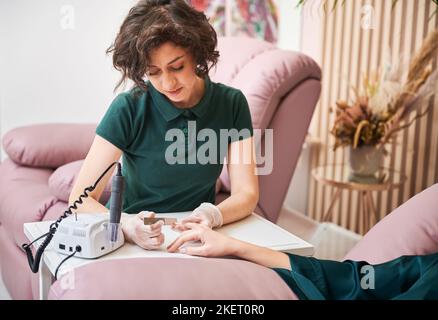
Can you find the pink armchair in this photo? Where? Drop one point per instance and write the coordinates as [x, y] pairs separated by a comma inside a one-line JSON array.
[[282, 88]]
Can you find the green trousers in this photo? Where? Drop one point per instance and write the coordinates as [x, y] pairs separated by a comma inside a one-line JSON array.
[[407, 277]]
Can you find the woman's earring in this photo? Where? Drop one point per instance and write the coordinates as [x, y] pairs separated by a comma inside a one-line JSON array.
[[198, 70]]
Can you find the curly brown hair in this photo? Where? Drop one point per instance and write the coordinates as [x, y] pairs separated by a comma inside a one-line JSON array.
[[149, 24]]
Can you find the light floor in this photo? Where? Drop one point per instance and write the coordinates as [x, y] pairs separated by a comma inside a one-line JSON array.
[[4, 295], [330, 241]]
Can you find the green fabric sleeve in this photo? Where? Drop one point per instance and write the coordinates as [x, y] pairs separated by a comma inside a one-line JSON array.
[[407, 277], [117, 123], [242, 119]]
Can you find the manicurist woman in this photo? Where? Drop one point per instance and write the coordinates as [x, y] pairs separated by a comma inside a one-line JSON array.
[[159, 127]]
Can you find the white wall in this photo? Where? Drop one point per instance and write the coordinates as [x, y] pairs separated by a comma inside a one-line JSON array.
[[2, 67], [52, 60], [312, 15], [289, 24]]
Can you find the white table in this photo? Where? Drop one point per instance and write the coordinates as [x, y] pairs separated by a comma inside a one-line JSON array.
[[253, 229]]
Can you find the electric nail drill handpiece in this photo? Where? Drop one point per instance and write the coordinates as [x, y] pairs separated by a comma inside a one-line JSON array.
[[116, 204]]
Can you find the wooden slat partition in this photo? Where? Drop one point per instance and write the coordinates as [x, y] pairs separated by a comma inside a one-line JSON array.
[[348, 51]]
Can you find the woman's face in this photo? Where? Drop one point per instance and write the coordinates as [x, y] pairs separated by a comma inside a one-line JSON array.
[[172, 72]]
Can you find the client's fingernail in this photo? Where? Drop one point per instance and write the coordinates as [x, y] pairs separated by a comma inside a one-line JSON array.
[[183, 250]]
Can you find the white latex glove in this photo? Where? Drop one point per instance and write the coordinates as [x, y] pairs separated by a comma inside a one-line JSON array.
[[135, 231], [207, 214]]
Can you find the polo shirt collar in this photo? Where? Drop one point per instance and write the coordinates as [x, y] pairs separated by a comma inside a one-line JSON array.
[[170, 112]]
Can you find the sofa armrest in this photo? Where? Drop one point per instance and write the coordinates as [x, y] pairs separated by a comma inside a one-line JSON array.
[[172, 279], [48, 145], [410, 229]]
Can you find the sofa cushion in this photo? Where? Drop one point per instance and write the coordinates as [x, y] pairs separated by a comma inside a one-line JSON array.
[[24, 197], [62, 180], [173, 278], [15, 271], [411, 229], [49, 145]]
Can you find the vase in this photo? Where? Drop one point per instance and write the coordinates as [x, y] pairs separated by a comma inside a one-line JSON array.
[[365, 162]]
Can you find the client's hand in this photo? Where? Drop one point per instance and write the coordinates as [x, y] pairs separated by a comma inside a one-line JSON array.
[[206, 214], [213, 243], [146, 236]]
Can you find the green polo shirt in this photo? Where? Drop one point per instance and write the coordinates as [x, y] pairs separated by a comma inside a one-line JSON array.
[[170, 159]]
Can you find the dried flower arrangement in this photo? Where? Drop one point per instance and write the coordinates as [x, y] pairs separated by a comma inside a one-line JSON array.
[[382, 108]]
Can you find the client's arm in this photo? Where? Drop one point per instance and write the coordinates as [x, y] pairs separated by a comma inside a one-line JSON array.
[[215, 244]]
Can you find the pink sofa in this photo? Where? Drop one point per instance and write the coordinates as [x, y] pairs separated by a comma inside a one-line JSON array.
[[411, 229], [282, 89]]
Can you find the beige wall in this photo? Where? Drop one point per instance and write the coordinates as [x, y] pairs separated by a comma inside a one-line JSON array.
[[348, 50]]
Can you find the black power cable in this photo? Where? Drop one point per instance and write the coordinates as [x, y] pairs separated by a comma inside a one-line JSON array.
[[77, 249], [34, 263]]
